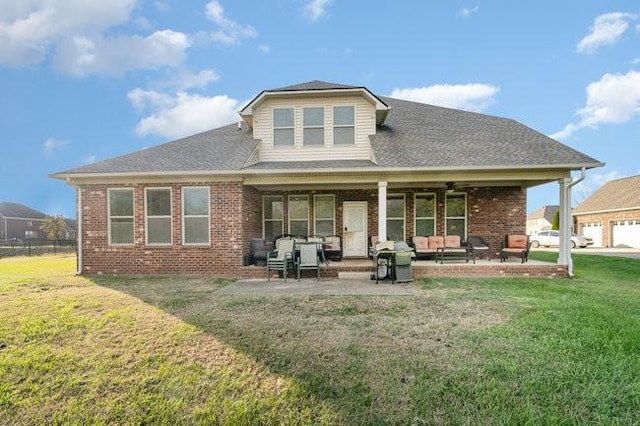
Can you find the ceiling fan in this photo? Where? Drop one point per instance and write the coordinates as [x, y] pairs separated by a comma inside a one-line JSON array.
[[450, 187]]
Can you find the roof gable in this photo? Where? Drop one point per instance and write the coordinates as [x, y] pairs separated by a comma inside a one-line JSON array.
[[619, 194], [21, 211]]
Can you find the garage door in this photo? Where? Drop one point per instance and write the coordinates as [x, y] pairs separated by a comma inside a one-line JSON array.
[[626, 233], [593, 230]]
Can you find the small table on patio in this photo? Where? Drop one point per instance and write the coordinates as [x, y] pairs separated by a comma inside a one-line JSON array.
[[457, 253]]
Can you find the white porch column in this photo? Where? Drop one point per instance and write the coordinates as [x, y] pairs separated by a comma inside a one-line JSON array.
[[382, 211], [564, 252]]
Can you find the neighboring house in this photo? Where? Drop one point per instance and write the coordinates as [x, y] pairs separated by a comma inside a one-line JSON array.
[[20, 223], [541, 219], [611, 216], [71, 231], [313, 158]]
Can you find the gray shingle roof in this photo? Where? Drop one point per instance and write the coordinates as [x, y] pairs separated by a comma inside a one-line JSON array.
[[544, 212], [313, 85], [414, 135], [614, 195], [19, 211], [421, 135], [223, 149]]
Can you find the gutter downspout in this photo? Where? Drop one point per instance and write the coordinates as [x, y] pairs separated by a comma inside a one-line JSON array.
[[79, 236], [565, 221]]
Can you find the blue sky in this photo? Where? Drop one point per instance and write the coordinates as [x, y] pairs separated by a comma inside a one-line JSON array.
[[85, 80]]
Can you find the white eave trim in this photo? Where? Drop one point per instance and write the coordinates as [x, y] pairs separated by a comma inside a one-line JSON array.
[[622, 209], [238, 174]]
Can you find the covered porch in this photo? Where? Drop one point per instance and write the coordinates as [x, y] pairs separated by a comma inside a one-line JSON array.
[[359, 207]]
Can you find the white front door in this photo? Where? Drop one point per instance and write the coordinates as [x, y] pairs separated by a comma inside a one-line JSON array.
[[355, 228]]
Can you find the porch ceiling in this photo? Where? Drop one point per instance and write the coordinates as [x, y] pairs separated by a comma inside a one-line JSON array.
[[349, 180]]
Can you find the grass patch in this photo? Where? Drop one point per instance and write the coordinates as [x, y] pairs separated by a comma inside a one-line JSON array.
[[462, 351]]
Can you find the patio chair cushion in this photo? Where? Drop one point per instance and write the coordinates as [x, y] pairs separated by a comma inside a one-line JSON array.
[[420, 243], [436, 242], [517, 241], [452, 241]]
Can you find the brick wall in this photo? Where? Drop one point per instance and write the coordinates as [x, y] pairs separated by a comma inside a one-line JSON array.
[[236, 218], [221, 258]]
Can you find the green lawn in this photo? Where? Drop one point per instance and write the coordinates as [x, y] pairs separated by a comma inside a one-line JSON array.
[[77, 350]]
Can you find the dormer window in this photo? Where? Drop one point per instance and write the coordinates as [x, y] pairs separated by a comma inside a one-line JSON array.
[[283, 130], [313, 122], [343, 125]]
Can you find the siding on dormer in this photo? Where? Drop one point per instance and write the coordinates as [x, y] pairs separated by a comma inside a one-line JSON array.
[[365, 116]]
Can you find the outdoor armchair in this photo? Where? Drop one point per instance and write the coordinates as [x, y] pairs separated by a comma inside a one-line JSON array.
[[478, 247], [282, 258], [515, 246], [308, 259]]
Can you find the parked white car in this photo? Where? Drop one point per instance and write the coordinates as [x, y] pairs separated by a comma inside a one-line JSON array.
[[552, 238]]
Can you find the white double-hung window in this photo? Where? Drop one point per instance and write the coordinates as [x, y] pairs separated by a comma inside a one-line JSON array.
[[195, 216], [456, 215], [158, 216], [299, 215], [313, 122], [343, 125], [120, 209], [283, 127], [425, 214]]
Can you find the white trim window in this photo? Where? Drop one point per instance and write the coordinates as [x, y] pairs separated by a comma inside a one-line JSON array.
[[395, 217], [283, 127], [299, 215], [196, 223], [456, 215], [158, 216], [313, 126], [272, 216], [324, 215], [343, 125], [424, 211], [120, 216]]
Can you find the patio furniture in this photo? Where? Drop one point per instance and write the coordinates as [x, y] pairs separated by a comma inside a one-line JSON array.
[[319, 245], [478, 247], [282, 258], [308, 259], [259, 250], [515, 246], [333, 248], [426, 247], [453, 249]]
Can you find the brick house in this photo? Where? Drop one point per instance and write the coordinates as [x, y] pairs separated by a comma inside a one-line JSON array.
[[541, 219], [20, 223], [313, 158], [611, 215]]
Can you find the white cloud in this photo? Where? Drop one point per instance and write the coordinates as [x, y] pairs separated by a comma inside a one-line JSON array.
[[264, 48], [89, 160], [468, 11], [182, 114], [28, 29], [472, 97], [51, 146], [117, 55], [614, 99], [316, 9], [230, 31], [606, 29]]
